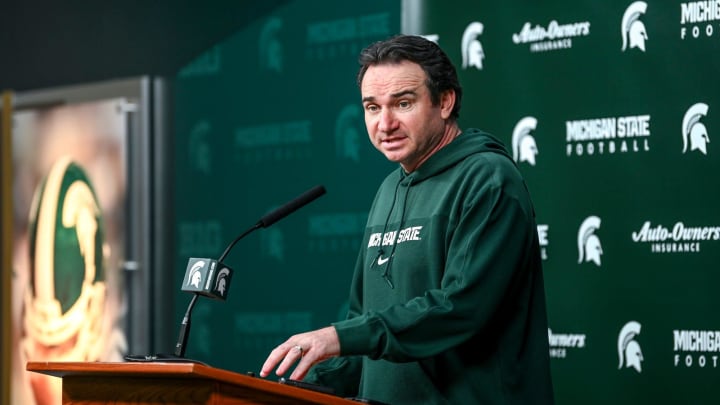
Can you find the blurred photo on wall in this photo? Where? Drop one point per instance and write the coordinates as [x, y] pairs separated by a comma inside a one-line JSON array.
[[69, 212]]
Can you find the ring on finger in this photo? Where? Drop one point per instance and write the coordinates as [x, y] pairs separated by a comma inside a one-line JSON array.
[[299, 349]]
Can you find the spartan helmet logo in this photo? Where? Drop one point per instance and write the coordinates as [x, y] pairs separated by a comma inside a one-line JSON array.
[[629, 351], [270, 48], [524, 146], [221, 284], [633, 28], [347, 136], [65, 301], [195, 275], [695, 130], [589, 248], [199, 154], [472, 50]]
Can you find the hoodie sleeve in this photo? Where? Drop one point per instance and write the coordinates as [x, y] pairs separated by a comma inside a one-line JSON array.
[[342, 374], [485, 288]]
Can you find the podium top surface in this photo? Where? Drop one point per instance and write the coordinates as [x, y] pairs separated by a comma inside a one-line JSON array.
[[174, 369], [178, 370]]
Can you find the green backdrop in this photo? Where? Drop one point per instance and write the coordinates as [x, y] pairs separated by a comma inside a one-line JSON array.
[[608, 109]]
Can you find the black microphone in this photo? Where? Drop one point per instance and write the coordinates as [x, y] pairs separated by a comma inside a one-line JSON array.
[[211, 278], [287, 209], [279, 213]]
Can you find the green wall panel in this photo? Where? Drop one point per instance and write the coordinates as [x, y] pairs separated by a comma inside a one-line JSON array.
[[261, 117]]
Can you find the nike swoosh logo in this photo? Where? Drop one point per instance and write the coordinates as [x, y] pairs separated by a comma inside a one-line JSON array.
[[382, 260]]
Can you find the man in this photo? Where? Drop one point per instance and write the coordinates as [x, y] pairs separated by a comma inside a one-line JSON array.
[[447, 303]]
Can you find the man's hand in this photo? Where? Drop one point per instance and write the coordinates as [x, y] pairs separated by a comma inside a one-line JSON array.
[[306, 349]]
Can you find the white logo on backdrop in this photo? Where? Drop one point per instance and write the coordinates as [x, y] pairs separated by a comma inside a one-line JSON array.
[[524, 146], [589, 247], [270, 47], [698, 13], [472, 50], [629, 351], [551, 37], [542, 231], [696, 348], [347, 135], [610, 135], [680, 238], [632, 29], [695, 131], [560, 343]]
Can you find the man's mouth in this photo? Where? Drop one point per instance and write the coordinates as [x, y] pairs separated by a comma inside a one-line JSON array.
[[392, 141]]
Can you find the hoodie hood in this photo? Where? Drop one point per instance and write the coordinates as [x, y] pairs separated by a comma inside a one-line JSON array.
[[469, 142]]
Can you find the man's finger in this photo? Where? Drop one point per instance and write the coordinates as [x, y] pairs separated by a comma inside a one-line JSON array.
[[301, 369], [273, 359], [291, 356]]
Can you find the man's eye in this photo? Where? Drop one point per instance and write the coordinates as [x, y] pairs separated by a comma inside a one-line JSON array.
[[404, 104], [371, 108]]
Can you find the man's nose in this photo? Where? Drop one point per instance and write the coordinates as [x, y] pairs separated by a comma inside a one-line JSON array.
[[388, 122]]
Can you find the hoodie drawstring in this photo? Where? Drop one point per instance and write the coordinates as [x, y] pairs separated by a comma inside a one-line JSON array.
[[382, 234], [386, 272]]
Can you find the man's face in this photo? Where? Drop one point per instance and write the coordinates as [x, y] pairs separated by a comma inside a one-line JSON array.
[[401, 121]]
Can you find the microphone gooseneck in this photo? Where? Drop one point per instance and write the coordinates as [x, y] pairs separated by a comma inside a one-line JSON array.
[[185, 328], [264, 222], [242, 235]]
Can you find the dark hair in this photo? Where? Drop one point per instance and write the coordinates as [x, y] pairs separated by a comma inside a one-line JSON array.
[[440, 72]]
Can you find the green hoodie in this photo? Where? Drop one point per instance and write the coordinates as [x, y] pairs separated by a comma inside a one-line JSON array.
[[447, 302]]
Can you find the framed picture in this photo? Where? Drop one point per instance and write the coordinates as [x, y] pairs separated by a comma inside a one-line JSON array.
[[81, 245]]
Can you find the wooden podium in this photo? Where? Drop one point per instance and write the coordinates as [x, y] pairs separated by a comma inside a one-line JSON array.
[[171, 383]]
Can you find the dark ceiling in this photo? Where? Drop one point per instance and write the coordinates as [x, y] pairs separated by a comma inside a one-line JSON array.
[[50, 43]]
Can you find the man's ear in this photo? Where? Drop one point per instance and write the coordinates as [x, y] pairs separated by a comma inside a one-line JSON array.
[[447, 103]]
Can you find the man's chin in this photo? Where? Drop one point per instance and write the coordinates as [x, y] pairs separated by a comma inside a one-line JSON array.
[[395, 156]]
